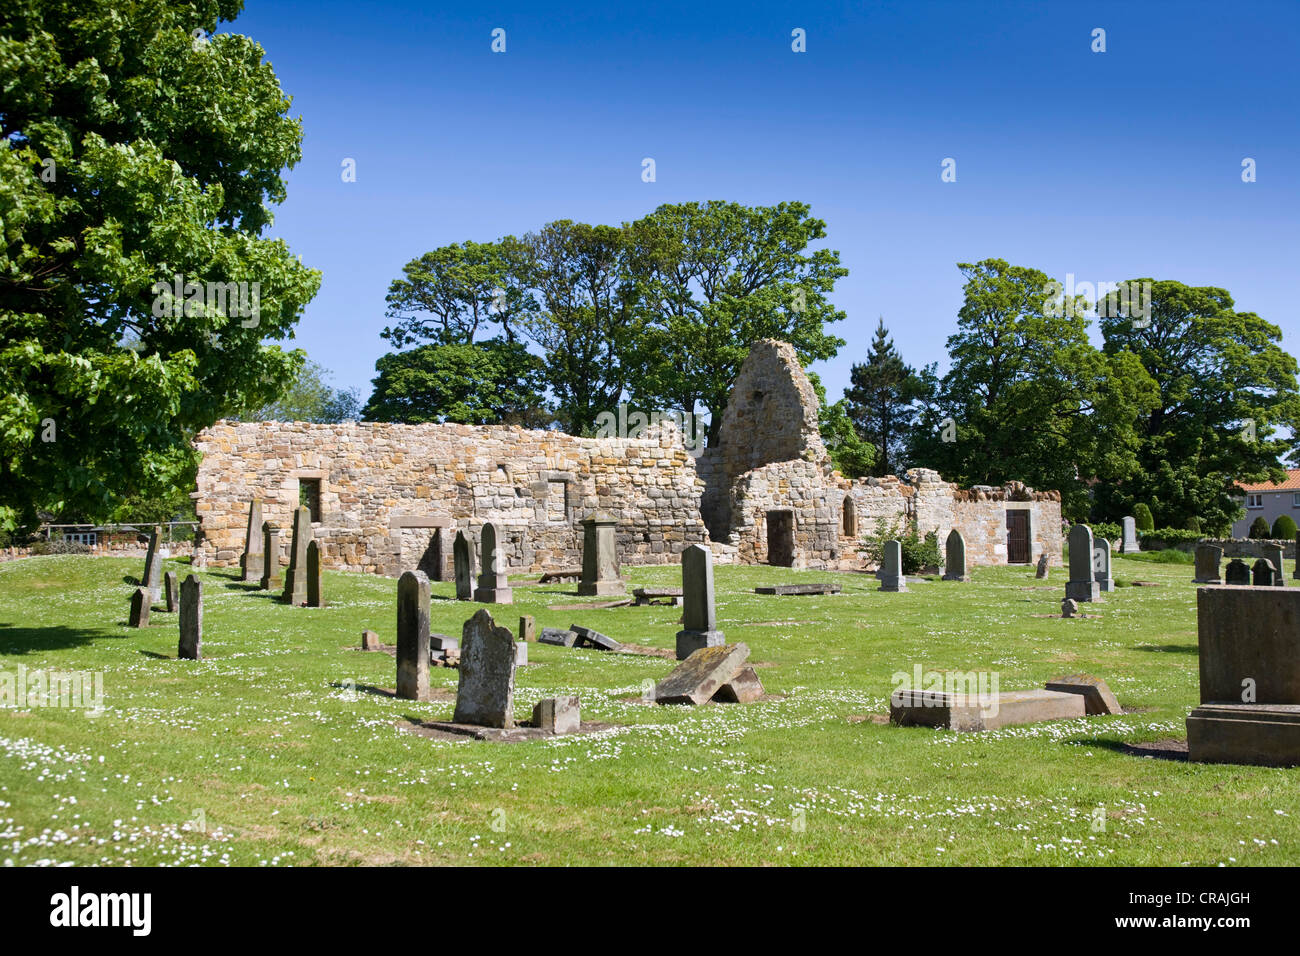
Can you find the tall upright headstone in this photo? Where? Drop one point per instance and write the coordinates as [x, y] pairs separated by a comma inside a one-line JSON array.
[[954, 560], [485, 691], [169, 591], [891, 568], [253, 542], [139, 608], [1101, 565], [295, 580], [152, 578], [462, 553], [271, 557], [315, 597], [1041, 570], [1208, 557], [1129, 543], [413, 636], [600, 557], [190, 646], [1276, 555], [493, 583], [1237, 572], [699, 619], [1082, 585]]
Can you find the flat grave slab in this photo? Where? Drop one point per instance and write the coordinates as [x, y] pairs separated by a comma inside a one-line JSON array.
[[975, 713], [594, 639], [561, 575], [1262, 734], [556, 636], [644, 596], [817, 588]]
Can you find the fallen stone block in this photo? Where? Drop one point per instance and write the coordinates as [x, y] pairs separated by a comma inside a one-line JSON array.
[[696, 679], [1097, 695], [589, 638], [554, 635], [823, 588], [558, 575], [369, 641], [744, 688], [558, 715], [1262, 734], [979, 712], [644, 596]]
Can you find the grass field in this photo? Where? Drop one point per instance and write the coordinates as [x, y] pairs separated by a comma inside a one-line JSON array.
[[265, 754]]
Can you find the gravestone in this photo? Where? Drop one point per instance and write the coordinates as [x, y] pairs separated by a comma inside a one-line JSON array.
[[1082, 585], [891, 568], [1069, 608], [295, 580], [594, 639], [1097, 695], [140, 608], [699, 620], [558, 715], [369, 641], [558, 637], [271, 557], [1237, 573], [485, 693], [527, 628], [190, 647], [1208, 557], [954, 561], [253, 554], [152, 578], [696, 679], [462, 554], [1276, 554], [413, 636], [1129, 543], [1041, 572], [169, 591], [314, 594], [981, 712], [1263, 574], [743, 688], [1101, 565], [493, 583], [600, 557]]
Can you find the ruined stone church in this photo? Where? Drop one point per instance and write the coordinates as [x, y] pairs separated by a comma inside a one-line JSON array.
[[386, 498]]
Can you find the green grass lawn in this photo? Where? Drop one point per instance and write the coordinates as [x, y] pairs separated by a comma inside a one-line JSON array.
[[268, 745]]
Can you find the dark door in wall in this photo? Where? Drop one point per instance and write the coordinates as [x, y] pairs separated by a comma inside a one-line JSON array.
[[780, 538], [431, 561], [1018, 537]]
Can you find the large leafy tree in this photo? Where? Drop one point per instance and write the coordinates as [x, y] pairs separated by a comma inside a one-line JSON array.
[[137, 147], [309, 398], [717, 277], [1027, 397], [483, 383], [1224, 385], [883, 401]]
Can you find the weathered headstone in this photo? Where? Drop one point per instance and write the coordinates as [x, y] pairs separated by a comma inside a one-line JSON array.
[[696, 679], [140, 608], [954, 559], [891, 568], [558, 637], [169, 591], [152, 578], [600, 557], [590, 638], [462, 553], [190, 646], [1101, 565], [485, 693], [521, 653], [252, 559], [1082, 585], [1263, 574], [295, 580], [1069, 608], [743, 688], [1276, 555], [558, 715], [1041, 571], [527, 628], [1129, 543], [315, 596], [271, 557], [980, 712], [493, 583], [369, 641], [413, 636], [699, 620], [1096, 693], [1208, 557], [1237, 573]]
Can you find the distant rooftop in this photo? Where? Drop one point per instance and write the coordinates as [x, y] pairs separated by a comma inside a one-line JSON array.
[[1292, 483]]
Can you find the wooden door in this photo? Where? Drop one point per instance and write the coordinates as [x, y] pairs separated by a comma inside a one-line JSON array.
[[1018, 537]]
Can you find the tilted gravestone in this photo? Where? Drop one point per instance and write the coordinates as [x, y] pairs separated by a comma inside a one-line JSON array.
[[1041, 572], [1263, 574], [140, 607], [699, 620], [190, 646], [462, 554], [702, 674], [169, 591], [152, 578], [295, 580], [1237, 573], [891, 568], [1276, 554], [485, 692], [954, 563], [527, 628], [1101, 565], [413, 636], [1208, 557], [315, 597], [252, 559], [493, 583], [600, 557], [1129, 543], [271, 557], [1082, 585]]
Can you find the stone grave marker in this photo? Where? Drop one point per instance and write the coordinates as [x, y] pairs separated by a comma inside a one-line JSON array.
[[954, 561], [1208, 557], [891, 569], [493, 583], [980, 712], [1237, 573], [485, 693], [152, 578], [462, 552], [696, 679], [252, 559], [271, 557], [369, 641], [413, 636], [140, 607], [644, 596], [1276, 555], [600, 557], [527, 628], [1101, 565], [1069, 608], [1082, 585], [699, 620], [190, 647], [169, 591], [743, 688], [315, 596], [558, 637], [1097, 695], [1129, 543], [558, 715], [1041, 571], [295, 580], [1263, 574], [589, 638]]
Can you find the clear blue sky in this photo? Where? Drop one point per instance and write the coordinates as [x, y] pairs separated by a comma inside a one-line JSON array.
[[1106, 165]]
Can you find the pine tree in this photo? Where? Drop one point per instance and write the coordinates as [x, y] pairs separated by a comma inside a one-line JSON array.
[[882, 401]]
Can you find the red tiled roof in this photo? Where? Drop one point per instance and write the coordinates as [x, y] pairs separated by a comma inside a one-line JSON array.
[[1292, 483]]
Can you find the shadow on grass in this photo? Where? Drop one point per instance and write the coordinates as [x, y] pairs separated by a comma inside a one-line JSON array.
[[365, 689], [158, 657], [25, 640], [1156, 749], [1170, 648]]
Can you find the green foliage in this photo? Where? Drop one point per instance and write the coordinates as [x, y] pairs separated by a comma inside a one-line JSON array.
[[883, 402], [483, 383], [1142, 517], [1193, 524], [133, 154], [852, 456], [308, 398], [59, 546], [1170, 536], [1284, 527], [1109, 530], [1259, 528], [1164, 556], [918, 552]]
